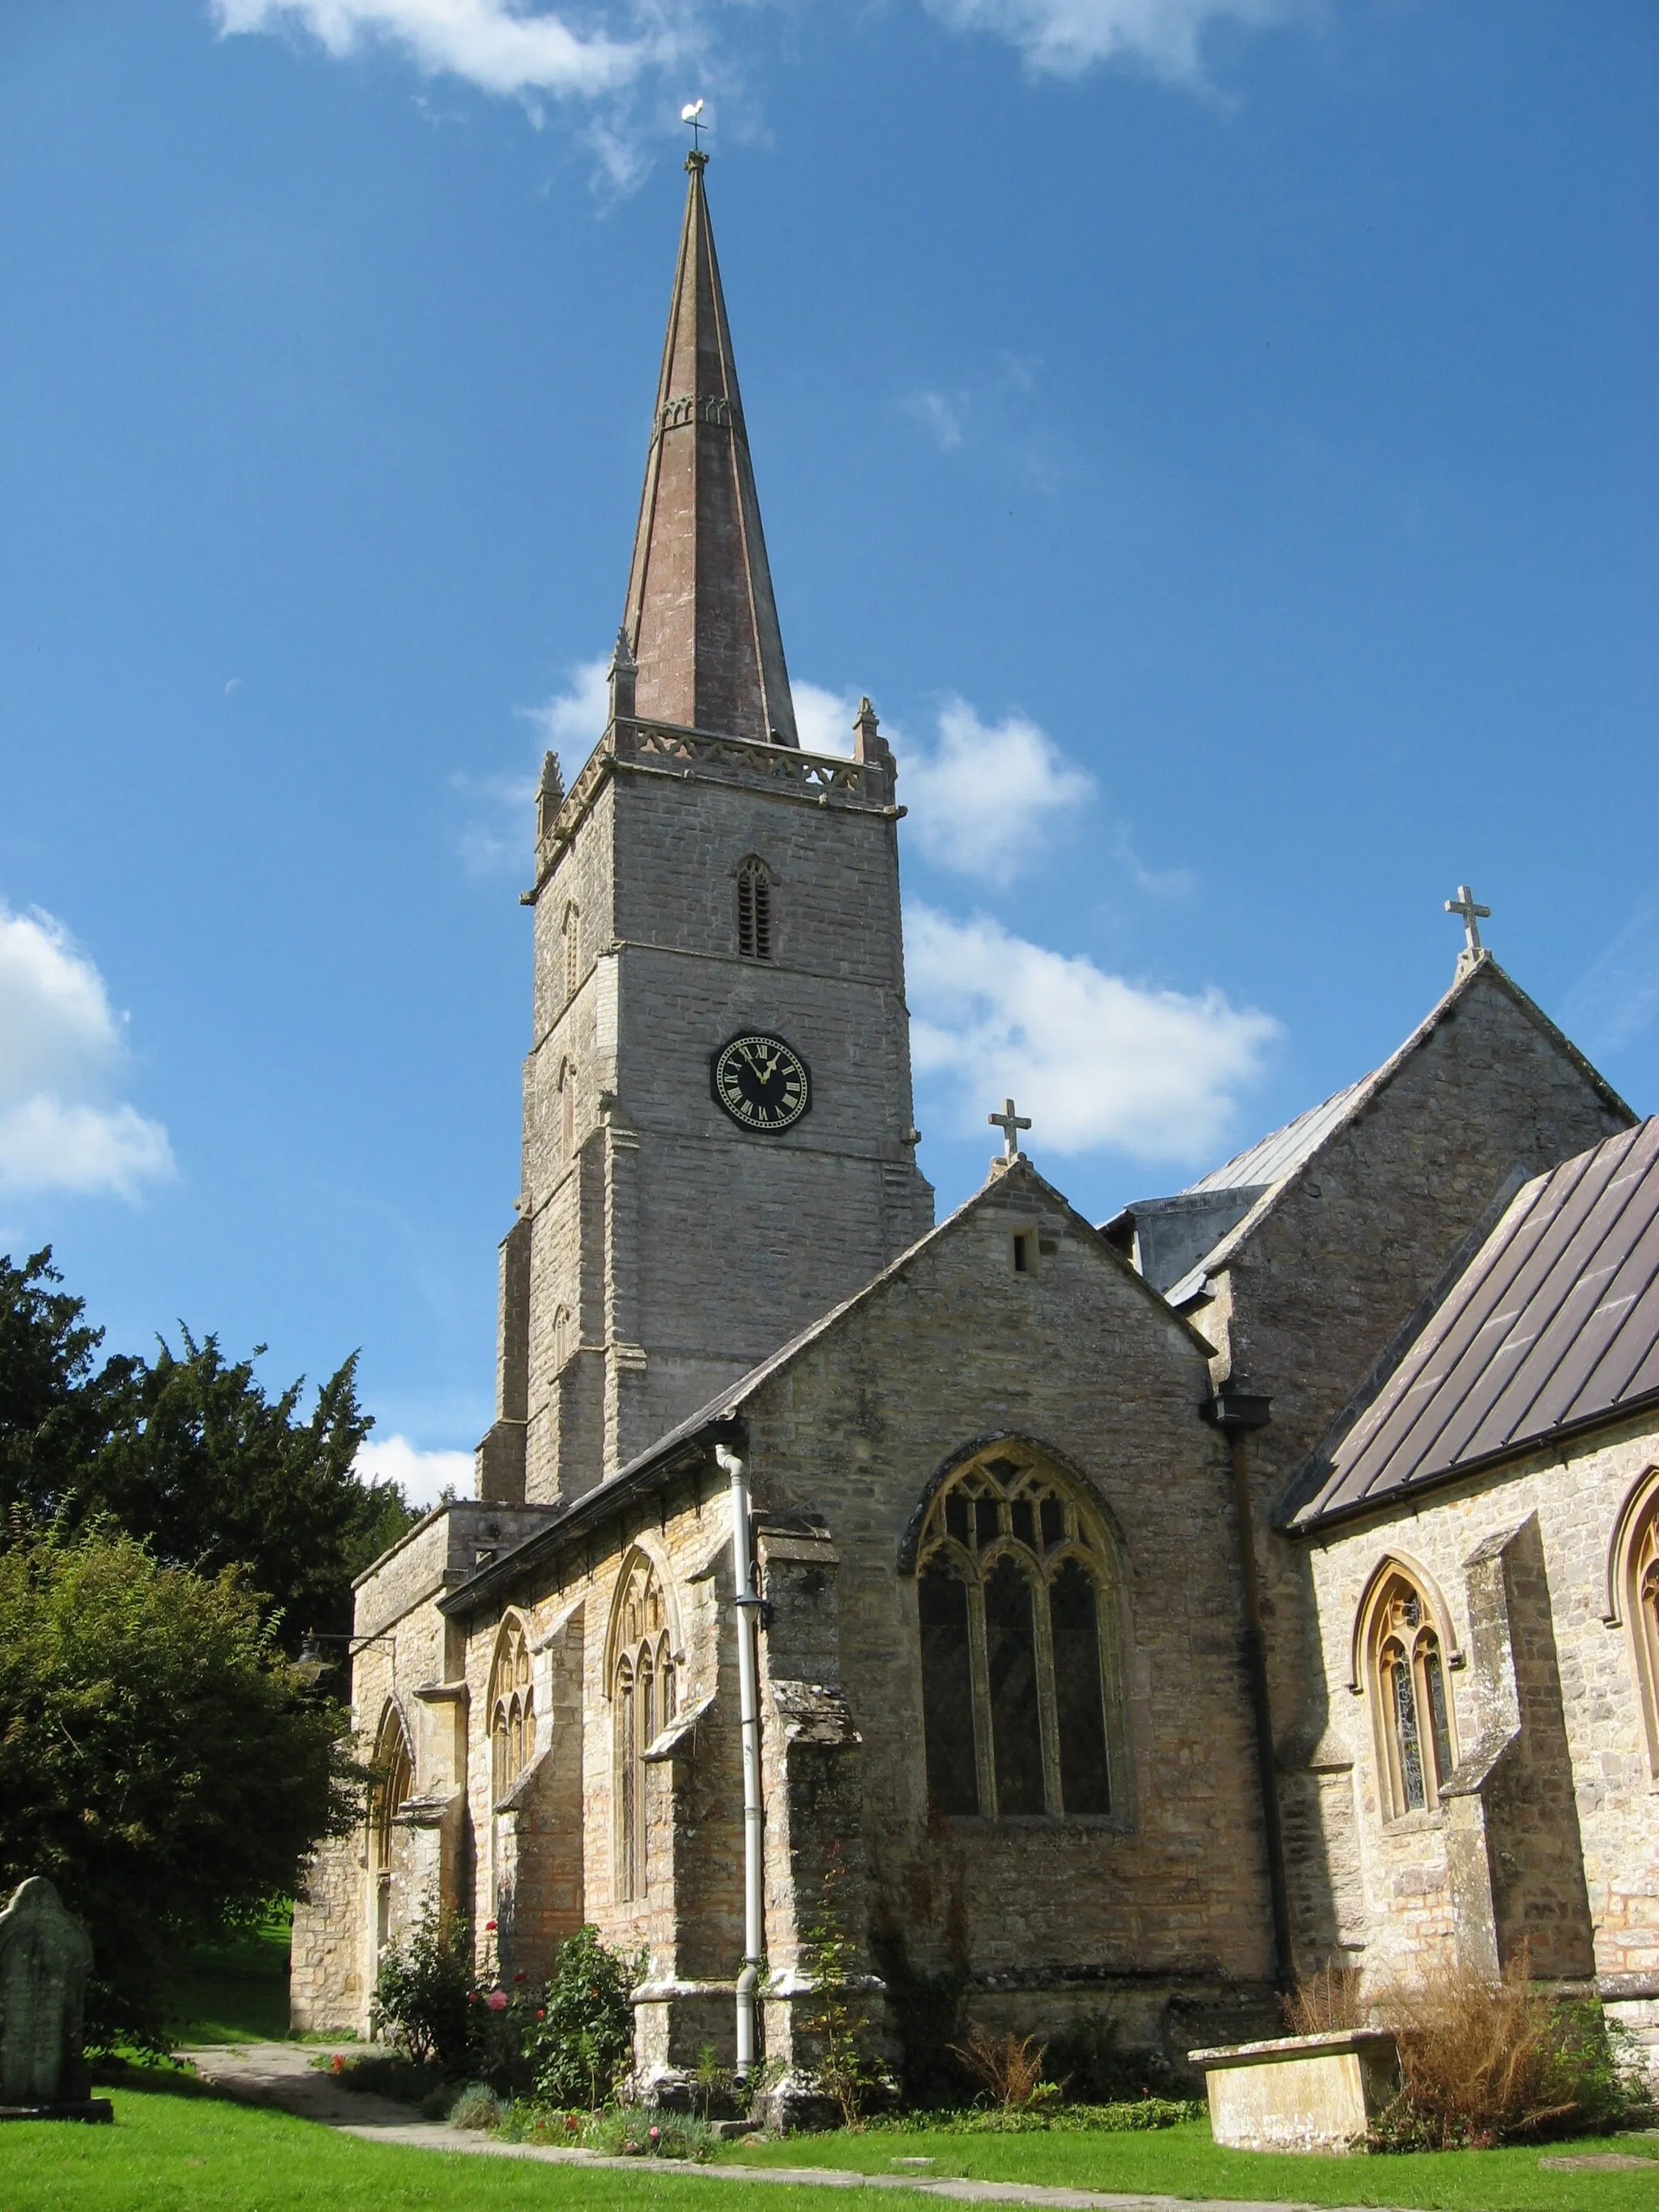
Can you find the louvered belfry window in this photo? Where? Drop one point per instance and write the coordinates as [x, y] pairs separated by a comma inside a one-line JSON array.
[[754, 910]]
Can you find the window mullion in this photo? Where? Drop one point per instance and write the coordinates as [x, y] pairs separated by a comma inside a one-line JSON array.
[[984, 1752], [1047, 1714]]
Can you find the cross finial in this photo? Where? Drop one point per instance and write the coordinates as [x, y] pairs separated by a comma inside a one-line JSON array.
[[1473, 916], [692, 113], [1010, 1124]]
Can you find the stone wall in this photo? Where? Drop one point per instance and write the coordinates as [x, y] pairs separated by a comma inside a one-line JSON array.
[[1551, 1833], [1315, 1291], [621, 1196]]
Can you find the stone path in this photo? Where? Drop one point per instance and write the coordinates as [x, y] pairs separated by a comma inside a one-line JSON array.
[[282, 2074]]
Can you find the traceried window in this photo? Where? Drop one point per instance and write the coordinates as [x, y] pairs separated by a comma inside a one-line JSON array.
[[643, 1698], [755, 910], [393, 1769], [1016, 1600], [1407, 1675], [512, 1710]]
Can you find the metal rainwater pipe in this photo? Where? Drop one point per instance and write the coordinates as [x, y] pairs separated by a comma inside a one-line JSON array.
[[730, 1458]]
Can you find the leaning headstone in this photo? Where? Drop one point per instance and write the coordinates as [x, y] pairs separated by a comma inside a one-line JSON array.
[[45, 1959]]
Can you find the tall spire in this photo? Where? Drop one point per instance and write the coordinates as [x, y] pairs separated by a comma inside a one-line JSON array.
[[701, 624]]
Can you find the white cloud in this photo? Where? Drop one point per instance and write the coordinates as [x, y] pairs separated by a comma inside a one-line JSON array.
[[1063, 38], [1617, 997], [422, 1475], [61, 1048], [1096, 1061], [983, 798], [824, 719], [501, 829], [497, 46], [573, 720], [942, 415]]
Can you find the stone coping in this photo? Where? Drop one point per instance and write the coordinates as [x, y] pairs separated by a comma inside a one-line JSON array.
[[1331, 2045]]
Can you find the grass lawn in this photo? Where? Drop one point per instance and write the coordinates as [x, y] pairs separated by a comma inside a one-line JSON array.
[[173, 2145], [1182, 2161], [235, 1991]]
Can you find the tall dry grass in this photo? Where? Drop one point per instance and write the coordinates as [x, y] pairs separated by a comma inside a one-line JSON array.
[[1482, 2062]]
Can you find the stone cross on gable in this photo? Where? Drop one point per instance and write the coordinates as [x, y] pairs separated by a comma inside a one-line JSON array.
[[1473, 917], [1010, 1124]]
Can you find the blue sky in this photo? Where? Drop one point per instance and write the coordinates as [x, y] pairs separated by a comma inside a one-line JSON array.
[[1219, 434]]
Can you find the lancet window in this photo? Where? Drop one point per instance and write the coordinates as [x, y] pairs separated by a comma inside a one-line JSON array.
[[1017, 1592], [642, 1694], [393, 1767], [568, 1109], [512, 1708], [1407, 1675], [755, 910]]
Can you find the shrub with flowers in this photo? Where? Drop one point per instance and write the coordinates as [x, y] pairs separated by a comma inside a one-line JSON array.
[[581, 2041]]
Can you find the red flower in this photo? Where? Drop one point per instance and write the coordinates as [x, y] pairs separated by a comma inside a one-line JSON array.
[[542, 2013], [656, 2135], [572, 2121], [490, 1928], [496, 2000], [521, 1978]]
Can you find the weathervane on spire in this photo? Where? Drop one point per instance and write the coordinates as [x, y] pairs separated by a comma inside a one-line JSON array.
[[692, 113]]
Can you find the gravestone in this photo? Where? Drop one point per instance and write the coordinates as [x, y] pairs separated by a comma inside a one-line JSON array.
[[45, 1959]]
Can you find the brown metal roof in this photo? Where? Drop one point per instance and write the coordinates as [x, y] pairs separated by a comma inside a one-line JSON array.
[[1553, 1324]]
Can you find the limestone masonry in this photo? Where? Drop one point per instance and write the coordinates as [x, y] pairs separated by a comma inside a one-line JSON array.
[[1071, 1676]]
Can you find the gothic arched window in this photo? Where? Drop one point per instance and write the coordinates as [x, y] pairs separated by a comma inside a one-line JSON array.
[[393, 1768], [1635, 1593], [642, 1695], [1017, 1585], [753, 910], [512, 1710], [1405, 1674], [564, 1337]]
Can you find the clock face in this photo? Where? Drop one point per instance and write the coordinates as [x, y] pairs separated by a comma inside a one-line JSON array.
[[762, 1082]]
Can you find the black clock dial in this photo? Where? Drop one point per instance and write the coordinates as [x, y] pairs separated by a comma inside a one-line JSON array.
[[762, 1082]]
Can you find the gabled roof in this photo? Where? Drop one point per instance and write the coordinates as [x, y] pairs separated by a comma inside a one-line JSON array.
[[689, 1443], [1238, 1196], [1551, 1328]]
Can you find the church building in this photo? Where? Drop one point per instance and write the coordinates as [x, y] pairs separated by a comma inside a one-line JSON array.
[[1094, 1606]]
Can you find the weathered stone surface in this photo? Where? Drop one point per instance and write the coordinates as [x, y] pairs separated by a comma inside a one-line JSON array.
[[1300, 2092], [45, 1956]]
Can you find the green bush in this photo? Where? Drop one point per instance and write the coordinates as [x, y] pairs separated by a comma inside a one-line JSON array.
[[159, 1760], [579, 2043], [426, 1992]]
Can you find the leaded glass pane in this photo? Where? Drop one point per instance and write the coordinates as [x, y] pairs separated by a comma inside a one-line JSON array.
[[1015, 1728], [1085, 1780], [947, 1694]]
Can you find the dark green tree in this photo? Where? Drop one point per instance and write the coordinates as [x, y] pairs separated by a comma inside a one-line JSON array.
[[187, 1452], [159, 1758]]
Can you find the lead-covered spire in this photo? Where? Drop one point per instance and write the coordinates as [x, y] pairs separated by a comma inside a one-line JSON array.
[[701, 624]]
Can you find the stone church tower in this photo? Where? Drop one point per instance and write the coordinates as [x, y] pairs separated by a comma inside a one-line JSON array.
[[718, 1138]]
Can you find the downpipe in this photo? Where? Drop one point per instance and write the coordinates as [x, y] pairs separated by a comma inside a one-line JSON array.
[[730, 1459]]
